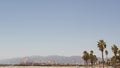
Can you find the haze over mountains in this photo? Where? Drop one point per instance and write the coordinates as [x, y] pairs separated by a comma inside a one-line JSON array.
[[45, 59]]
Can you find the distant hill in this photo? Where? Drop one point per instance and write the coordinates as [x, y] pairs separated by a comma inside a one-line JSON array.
[[45, 59]]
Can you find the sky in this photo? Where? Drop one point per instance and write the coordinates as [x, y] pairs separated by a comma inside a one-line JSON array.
[[57, 27]]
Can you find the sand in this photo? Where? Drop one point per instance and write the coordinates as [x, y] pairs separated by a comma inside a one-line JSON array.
[[48, 67]]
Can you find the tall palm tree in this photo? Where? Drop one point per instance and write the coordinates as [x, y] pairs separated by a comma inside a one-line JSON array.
[[102, 45], [115, 51], [85, 57]]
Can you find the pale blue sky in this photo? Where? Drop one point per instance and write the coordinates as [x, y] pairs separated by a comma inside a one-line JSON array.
[[57, 27]]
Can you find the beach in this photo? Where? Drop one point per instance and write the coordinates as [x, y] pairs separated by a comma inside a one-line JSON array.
[[50, 67]]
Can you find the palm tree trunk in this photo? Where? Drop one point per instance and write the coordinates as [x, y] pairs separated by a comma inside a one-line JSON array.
[[103, 59], [115, 61], [107, 60], [86, 64]]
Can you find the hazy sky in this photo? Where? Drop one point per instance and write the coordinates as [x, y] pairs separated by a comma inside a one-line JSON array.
[[57, 27]]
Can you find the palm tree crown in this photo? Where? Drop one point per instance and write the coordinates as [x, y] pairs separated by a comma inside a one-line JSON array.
[[114, 49], [85, 55], [101, 45]]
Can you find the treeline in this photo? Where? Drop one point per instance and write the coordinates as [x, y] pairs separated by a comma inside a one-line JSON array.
[[89, 57]]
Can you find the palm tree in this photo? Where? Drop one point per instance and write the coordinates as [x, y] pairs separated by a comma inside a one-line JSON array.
[[118, 55], [91, 57], [112, 60], [106, 53], [102, 45], [91, 52], [94, 59], [85, 57], [119, 52], [115, 51]]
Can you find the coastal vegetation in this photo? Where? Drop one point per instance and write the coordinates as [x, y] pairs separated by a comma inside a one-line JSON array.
[[113, 61]]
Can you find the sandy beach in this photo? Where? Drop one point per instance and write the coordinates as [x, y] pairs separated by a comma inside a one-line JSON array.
[[49, 67]]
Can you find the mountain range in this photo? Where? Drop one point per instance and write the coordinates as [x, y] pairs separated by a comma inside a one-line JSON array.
[[45, 59]]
